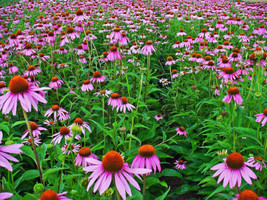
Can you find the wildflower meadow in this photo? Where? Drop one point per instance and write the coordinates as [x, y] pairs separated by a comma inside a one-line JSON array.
[[133, 100]]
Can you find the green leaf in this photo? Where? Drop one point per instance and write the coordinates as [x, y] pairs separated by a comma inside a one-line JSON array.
[[30, 174], [134, 137], [28, 151], [18, 123], [171, 173], [51, 171], [163, 196], [4, 127], [153, 181]]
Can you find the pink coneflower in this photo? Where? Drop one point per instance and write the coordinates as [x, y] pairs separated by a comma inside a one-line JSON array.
[[52, 195], [125, 105], [50, 39], [20, 90], [12, 69], [63, 132], [257, 162], [62, 65], [36, 130], [2, 87], [28, 51], [124, 39], [248, 195], [32, 70], [232, 171], [4, 153], [71, 33], [80, 50], [116, 35], [13, 41], [174, 73], [113, 54], [228, 74], [115, 100], [180, 164], [49, 122], [84, 153], [112, 166], [233, 93], [58, 112], [89, 37], [148, 48], [262, 117], [97, 77], [181, 32], [146, 158], [235, 57], [5, 195], [62, 50], [103, 93], [224, 62], [82, 59], [55, 83], [181, 131], [79, 16], [87, 86], [158, 117], [28, 141], [43, 57], [170, 61], [73, 148], [82, 124]]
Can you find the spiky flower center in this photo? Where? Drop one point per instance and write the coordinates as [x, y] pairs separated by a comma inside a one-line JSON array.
[[28, 46], [228, 70], [181, 162], [49, 195], [54, 79], [102, 91], [224, 60], [207, 58], [85, 151], [105, 54], [146, 150], [248, 195], [78, 121], [79, 12], [55, 107], [169, 58], [115, 96], [210, 63], [112, 162], [233, 90], [96, 74], [33, 126], [235, 161], [117, 30], [174, 71], [149, 42], [113, 48], [158, 115], [234, 55], [18, 85], [226, 43], [2, 85], [86, 82], [124, 100], [181, 128], [258, 158], [70, 30], [41, 55], [31, 68], [64, 131], [13, 36], [265, 111]]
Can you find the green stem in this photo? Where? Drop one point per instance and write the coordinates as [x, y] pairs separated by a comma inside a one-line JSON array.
[[118, 194], [33, 146], [144, 187], [233, 124]]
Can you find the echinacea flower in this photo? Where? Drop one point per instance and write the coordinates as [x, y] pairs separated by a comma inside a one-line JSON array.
[[158, 117], [103, 93], [125, 105], [232, 171], [248, 195], [63, 132], [22, 91], [79, 16], [111, 167], [37, 141], [170, 61], [58, 112], [228, 74], [52, 195], [82, 124], [84, 153], [114, 100], [180, 164], [262, 117], [33, 70], [233, 93], [97, 77], [148, 48], [36, 130], [87, 86], [55, 83], [146, 158], [5, 151], [257, 162], [181, 131], [72, 148], [113, 54], [116, 35], [2, 87], [5, 195]]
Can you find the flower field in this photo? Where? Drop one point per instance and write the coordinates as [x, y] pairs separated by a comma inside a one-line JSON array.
[[136, 100]]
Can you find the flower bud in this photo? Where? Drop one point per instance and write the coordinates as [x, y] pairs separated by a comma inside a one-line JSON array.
[[38, 188], [76, 129], [9, 142], [257, 94], [109, 192]]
